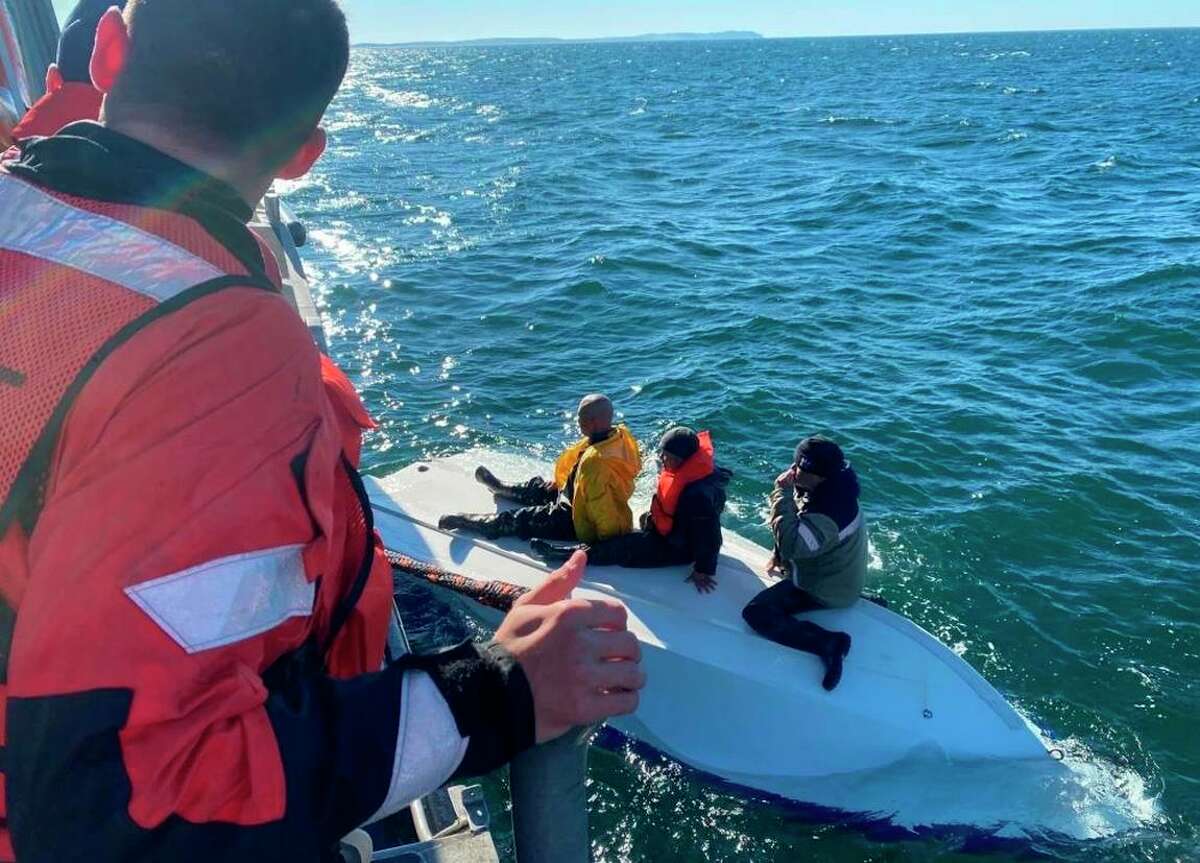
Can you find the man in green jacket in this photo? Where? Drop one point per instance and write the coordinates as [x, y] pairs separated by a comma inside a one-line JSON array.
[[821, 547]]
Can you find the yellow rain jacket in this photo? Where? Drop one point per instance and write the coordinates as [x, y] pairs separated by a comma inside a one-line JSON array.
[[603, 484]]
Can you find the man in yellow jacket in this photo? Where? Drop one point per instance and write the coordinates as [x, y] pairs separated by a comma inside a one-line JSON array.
[[588, 501]]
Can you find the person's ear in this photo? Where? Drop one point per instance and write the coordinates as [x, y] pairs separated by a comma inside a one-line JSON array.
[[54, 79], [111, 51], [301, 163]]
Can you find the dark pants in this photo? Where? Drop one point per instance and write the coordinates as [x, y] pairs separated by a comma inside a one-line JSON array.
[[543, 512], [534, 492], [643, 549], [552, 521], [770, 615]]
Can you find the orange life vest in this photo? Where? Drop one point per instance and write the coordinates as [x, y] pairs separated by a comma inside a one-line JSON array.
[[81, 283], [671, 484]]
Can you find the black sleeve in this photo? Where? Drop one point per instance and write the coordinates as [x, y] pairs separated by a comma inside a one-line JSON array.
[[491, 701], [336, 739], [702, 522], [483, 685]]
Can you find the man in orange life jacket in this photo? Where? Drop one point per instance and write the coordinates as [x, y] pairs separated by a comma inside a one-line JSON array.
[[70, 94], [193, 601], [684, 522]]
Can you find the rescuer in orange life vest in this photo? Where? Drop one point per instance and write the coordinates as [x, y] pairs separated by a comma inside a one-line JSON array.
[[70, 94], [684, 522], [193, 603]]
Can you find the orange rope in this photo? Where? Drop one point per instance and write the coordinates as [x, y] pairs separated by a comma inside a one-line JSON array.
[[499, 595]]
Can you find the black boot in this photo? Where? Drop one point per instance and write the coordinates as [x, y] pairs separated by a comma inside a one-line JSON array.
[[827, 646], [837, 645], [533, 493], [483, 476], [490, 526], [554, 552]]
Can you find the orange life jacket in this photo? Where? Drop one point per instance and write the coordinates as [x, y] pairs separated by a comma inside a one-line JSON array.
[[671, 484], [84, 285], [58, 252]]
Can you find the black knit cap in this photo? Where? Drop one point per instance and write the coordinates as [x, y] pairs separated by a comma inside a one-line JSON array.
[[681, 442], [819, 455], [79, 37]]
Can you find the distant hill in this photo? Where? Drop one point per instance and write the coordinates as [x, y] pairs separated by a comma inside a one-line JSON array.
[[724, 36]]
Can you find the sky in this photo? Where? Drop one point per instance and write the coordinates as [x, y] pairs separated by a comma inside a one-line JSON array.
[[443, 20]]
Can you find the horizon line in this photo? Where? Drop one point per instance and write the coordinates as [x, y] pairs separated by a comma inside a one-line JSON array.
[[755, 36]]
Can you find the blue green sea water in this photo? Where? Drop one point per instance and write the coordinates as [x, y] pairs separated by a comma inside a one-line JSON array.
[[975, 260]]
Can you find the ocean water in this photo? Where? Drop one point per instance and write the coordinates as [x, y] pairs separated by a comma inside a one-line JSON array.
[[975, 260]]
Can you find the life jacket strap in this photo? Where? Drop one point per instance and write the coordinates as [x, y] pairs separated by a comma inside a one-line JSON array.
[[8, 622]]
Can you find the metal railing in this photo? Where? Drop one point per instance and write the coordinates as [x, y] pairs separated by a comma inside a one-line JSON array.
[[34, 32]]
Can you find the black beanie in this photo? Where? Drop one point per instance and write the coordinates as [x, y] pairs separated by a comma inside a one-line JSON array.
[[819, 455], [79, 37], [683, 443]]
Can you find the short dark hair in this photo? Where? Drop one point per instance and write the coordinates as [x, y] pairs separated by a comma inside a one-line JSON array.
[[681, 442], [249, 75]]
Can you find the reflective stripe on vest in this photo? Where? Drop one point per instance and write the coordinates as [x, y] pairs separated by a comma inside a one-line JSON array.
[[37, 224], [228, 600], [812, 543], [849, 529], [73, 286]]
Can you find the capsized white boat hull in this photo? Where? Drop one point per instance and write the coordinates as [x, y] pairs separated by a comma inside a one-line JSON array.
[[719, 698]]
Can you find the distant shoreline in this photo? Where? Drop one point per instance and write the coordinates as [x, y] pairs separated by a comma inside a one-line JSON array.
[[738, 36], [723, 36]]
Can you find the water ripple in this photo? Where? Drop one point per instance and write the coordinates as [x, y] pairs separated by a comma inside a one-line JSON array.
[[973, 259]]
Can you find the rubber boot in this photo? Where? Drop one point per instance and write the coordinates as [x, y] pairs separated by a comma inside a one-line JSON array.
[[837, 645], [554, 552], [490, 526], [485, 477], [830, 647], [521, 494]]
